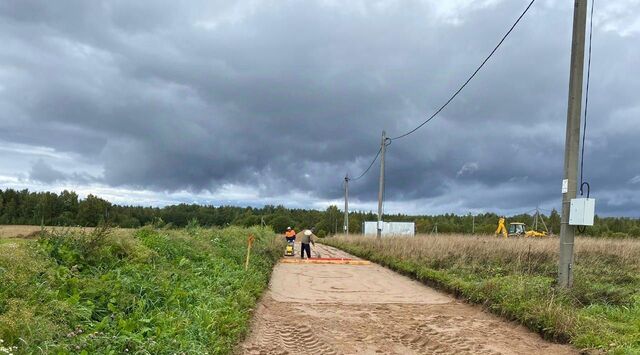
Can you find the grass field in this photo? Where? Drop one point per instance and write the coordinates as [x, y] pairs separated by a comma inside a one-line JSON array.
[[516, 277], [144, 292], [26, 231]]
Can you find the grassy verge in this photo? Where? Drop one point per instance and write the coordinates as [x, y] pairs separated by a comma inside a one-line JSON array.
[[143, 292], [515, 278], [29, 231]]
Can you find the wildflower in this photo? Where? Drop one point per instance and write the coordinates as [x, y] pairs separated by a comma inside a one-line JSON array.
[[9, 350]]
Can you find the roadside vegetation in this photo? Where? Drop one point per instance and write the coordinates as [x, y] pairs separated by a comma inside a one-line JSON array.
[[68, 209], [149, 291], [515, 278]]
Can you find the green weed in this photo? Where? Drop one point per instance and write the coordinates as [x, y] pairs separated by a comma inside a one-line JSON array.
[[147, 292]]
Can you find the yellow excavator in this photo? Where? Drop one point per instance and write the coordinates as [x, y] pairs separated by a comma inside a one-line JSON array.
[[518, 229]]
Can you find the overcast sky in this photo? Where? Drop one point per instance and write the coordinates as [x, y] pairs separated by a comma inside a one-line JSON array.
[[273, 102]]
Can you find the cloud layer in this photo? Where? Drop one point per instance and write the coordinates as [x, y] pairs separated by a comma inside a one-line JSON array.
[[273, 102]]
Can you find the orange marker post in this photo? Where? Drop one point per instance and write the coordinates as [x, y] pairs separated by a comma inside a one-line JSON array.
[[250, 241]]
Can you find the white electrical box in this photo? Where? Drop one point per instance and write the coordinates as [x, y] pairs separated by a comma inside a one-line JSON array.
[[582, 211]]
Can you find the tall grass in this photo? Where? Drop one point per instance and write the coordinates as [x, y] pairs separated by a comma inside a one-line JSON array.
[[516, 278], [28, 231], [145, 292]]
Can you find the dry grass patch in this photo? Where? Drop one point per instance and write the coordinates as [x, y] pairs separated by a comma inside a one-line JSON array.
[[516, 278]]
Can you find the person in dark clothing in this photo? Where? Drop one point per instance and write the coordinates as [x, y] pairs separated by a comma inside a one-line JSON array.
[[306, 238]]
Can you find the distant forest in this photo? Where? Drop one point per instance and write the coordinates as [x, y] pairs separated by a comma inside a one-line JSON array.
[[67, 209]]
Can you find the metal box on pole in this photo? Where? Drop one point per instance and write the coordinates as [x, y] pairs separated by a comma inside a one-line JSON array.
[[582, 211]]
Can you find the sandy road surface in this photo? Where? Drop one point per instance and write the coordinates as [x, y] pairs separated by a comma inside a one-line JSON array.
[[367, 309]]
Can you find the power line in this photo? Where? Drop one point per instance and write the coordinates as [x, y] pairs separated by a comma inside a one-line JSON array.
[[472, 75], [586, 104], [369, 168], [547, 210], [582, 229], [526, 212]]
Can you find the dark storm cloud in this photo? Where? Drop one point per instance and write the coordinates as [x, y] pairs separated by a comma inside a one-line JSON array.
[[43, 172], [289, 96]]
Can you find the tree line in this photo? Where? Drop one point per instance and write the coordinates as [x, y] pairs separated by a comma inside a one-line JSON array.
[[67, 209]]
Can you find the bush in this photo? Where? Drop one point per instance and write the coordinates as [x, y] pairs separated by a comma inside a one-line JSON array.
[[100, 247], [616, 235]]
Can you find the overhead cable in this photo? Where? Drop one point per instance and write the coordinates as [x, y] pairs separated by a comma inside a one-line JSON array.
[[472, 75], [583, 183], [586, 107], [369, 168]]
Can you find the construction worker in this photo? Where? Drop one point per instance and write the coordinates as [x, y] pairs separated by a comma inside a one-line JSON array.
[[306, 238], [290, 234]]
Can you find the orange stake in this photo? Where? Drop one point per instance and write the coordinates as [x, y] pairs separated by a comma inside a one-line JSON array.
[[250, 241]]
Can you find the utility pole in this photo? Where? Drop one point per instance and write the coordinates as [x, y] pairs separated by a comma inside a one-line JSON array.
[[572, 143], [473, 224], [381, 188], [346, 204]]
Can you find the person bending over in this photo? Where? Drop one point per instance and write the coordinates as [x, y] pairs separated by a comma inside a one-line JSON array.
[[290, 234], [306, 239]]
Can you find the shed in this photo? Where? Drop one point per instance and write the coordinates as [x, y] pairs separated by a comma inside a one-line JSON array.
[[390, 229]]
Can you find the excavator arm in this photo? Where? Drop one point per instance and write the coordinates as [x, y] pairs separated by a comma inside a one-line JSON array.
[[535, 234], [501, 228]]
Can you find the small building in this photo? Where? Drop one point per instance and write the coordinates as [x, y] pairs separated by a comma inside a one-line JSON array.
[[390, 229]]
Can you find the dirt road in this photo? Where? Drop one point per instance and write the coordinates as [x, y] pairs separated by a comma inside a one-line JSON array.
[[367, 309]]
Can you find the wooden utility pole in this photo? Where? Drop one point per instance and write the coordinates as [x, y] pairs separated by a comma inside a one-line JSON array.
[[381, 187], [346, 204], [572, 143]]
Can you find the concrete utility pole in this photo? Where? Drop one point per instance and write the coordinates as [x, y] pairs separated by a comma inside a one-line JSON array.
[[473, 224], [346, 204], [572, 143], [381, 188]]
